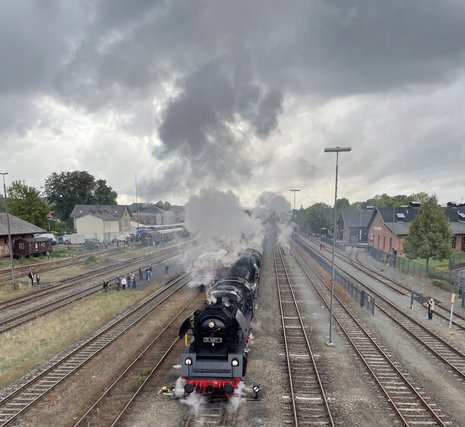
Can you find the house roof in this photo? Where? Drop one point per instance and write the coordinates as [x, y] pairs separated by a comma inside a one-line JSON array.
[[399, 219], [457, 227], [356, 218], [454, 213], [456, 217], [17, 226], [105, 212], [403, 214], [150, 210], [399, 228]]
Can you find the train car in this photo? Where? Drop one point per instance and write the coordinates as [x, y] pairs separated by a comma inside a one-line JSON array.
[[34, 246], [215, 360], [162, 234]]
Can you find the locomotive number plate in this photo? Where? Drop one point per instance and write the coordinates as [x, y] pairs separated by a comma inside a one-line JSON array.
[[212, 339]]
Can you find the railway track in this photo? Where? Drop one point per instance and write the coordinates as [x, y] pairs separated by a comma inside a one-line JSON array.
[[113, 404], [444, 351], [308, 402], [441, 310], [411, 405], [214, 414], [70, 282], [20, 310], [40, 267], [14, 404]]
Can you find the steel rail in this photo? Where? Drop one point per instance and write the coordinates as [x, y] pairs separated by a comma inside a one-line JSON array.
[[313, 392], [376, 360]]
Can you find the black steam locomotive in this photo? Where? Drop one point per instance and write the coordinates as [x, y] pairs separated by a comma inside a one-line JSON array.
[[215, 360]]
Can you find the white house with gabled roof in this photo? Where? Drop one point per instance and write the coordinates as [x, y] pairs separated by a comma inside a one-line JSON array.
[[102, 222]]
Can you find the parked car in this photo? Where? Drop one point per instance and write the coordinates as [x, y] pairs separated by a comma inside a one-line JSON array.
[[73, 239], [51, 236]]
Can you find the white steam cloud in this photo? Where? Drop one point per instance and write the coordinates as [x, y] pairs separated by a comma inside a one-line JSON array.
[[217, 218]]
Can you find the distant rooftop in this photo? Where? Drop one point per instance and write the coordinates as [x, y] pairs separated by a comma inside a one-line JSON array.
[[17, 226]]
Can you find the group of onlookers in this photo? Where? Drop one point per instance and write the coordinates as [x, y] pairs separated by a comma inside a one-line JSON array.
[[128, 281]]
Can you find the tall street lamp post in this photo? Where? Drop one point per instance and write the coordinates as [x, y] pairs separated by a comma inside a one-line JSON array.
[[10, 246], [336, 150], [360, 229], [293, 212]]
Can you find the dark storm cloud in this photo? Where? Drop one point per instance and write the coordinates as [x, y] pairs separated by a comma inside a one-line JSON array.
[[233, 65], [318, 46], [205, 106], [198, 123], [269, 108], [33, 41], [92, 51], [111, 14], [166, 182], [338, 48]]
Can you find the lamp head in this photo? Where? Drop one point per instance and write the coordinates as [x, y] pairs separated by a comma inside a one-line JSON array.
[[337, 149]]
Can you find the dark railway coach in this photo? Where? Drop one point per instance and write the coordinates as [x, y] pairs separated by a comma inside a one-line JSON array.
[[33, 246]]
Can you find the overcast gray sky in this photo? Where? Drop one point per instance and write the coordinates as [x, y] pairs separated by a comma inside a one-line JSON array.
[[239, 96]]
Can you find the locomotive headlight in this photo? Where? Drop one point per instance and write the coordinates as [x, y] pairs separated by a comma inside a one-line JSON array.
[[235, 362], [188, 361], [211, 324]]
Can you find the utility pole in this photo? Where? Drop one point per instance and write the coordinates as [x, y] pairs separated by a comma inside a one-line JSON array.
[[336, 150], [293, 213], [10, 245], [137, 205]]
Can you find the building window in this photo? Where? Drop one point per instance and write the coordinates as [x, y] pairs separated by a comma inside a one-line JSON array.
[[454, 241]]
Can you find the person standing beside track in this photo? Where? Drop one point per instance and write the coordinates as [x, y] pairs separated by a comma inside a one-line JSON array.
[[148, 274], [31, 275], [430, 308]]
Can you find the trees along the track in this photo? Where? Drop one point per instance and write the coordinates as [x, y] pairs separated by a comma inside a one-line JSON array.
[[430, 235]]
